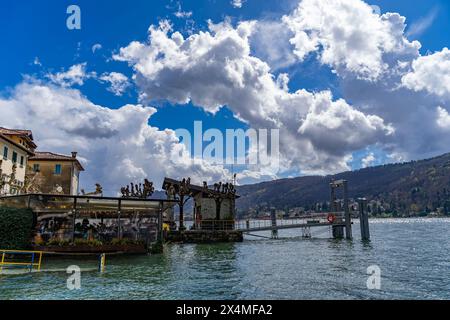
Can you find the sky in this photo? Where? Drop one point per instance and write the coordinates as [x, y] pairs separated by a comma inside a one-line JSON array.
[[348, 84]]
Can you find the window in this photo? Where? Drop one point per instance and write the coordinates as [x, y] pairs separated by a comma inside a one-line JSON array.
[[22, 161], [58, 169], [14, 157], [36, 167], [5, 152]]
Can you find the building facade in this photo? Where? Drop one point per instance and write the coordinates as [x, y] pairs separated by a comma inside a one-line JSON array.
[[16, 146], [212, 208], [53, 173]]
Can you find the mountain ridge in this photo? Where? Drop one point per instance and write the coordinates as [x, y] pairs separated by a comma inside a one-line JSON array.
[[404, 188]]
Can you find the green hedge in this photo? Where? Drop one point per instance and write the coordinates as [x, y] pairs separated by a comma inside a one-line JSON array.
[[16, 227]]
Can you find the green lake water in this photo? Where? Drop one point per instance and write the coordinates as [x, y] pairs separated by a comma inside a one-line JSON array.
[[413, 255]]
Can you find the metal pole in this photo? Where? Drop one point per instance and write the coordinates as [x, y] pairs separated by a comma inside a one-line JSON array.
[[102, 263], [32, 262], [74, 219], [40, 261], [160, 222], [3, 261], [348, 218], [119, 226], [181, 216]]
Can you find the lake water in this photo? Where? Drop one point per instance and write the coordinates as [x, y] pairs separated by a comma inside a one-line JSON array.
[[413, 255]]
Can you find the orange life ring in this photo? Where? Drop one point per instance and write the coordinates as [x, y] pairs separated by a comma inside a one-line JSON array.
[[331, 218]]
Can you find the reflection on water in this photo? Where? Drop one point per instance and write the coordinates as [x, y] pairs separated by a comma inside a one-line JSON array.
[[412, 255]]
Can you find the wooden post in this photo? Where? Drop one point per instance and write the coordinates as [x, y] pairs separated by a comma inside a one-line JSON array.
[[364, 219], [348, 217]]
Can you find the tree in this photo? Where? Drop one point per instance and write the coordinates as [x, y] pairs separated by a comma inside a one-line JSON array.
[[181, 192]]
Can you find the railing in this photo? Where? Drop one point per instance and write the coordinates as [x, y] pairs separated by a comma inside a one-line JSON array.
[[9, 259], [215, 225], [312, 219], [251, 224]]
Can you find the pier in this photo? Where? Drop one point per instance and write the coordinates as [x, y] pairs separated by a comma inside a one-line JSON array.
[[281, 224], [212, 225], [338, 220]]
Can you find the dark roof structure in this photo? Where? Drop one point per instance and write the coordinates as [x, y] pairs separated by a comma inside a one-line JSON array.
[[195, 189], [26, 134]]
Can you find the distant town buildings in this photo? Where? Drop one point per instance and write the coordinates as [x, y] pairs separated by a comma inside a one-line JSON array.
[[375, 208], [25, 170]]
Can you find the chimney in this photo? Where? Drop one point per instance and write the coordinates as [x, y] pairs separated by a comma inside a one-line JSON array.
[[74, 154]]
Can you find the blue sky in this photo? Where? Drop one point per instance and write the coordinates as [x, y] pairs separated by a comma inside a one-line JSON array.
[[37, 29]]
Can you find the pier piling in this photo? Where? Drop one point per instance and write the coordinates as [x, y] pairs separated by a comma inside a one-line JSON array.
[[338, 232], [273, 216], [364, 219], [348, 217]]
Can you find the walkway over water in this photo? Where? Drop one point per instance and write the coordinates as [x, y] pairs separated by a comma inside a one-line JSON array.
[[289, 226], [256, 225], [315, 220]]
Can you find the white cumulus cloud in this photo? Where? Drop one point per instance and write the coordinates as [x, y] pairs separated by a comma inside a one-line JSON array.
[[430, 73], [118, 82], [348, 36], [368, 160], [117, 145], [76, 75], [237, 3], [443, 118], [215, 68], [388, 92]]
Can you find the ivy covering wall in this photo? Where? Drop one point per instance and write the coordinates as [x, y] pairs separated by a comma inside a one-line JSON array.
[[15, 228]]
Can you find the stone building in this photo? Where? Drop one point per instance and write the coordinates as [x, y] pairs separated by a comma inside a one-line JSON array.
[[206, 207], [16, 146], [55, 173], [213, 207]]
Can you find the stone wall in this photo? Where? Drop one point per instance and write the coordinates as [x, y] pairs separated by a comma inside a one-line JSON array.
[[201, 236], [208, 208]]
